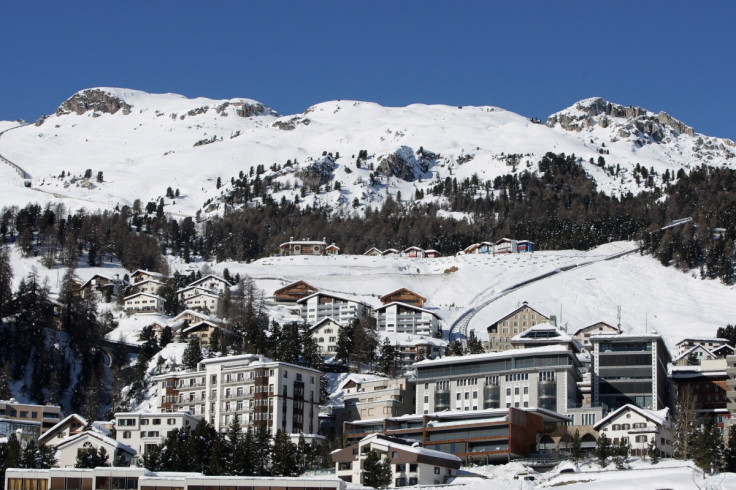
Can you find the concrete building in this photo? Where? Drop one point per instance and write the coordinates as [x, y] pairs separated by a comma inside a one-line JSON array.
[[47, 415], [515, 322], [404, 318], [318, 306], [484, 436], [630, 369], [143, 431], [261, 392]]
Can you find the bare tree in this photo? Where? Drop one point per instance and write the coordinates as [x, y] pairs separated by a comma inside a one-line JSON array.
[[686, 419]]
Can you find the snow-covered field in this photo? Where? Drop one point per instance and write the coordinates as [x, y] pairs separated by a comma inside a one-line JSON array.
[[667, 474]]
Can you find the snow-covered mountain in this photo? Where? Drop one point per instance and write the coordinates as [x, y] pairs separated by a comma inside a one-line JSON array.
[[141, 144]]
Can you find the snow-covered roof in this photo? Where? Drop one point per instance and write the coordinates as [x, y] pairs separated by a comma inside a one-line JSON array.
[[61, 423], [101, 437], [149, 273], [408, 306], [657, 416], [302, 242], [491, 355], [361, 378], [703, 339], [393, 442], [323, 321], [148, 295], [408, 339], [528, 334], [211, 276], [196, 313], [329, 295]]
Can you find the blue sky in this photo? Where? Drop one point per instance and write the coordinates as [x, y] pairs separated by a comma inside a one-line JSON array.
[[530, 57]]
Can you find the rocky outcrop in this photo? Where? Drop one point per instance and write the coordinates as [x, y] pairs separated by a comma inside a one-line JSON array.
[[93, 100], [245, 109], [632, 120], [291, 124], [404, 164], [318, 173]]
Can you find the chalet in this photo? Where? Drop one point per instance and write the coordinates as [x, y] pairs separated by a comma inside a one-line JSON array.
[[303, 247], [431, 254], [325, 333], [390, 252], [100, 285], [373, 252], [71, 425], [639, 427], [213, 283], [583, 335], [189, 291], [203, 331], [709, 343], [405, 296], [193, 316], [693, 356], [723, 351], [520, 319], [144, 303], [203, 301], [505, 246], [151, 286], [142, 275], [410, 463], [403, 318], [319, 306], [524, 246], [478, 248], [332, 249], [294, 292], [68, 449], [414, 252]]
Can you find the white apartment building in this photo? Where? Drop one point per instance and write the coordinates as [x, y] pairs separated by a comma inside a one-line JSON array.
[[142, 431], [259, 391], [318, 306], [399, 317], [325, 334]]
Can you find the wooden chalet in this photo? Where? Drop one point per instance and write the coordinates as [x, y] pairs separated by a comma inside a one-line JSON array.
[[303, 247], [414, 252], [294, 292], [405, 296], [373, 252], [332, 249], [431, 254]]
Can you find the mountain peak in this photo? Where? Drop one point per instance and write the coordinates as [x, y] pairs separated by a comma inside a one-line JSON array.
[[596, 111]]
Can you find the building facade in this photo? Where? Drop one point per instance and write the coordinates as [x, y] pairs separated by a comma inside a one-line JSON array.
[[144, 431], [501, 332], [404, 318], [318, 306], [47, 415], [260, 392], [630, 369]]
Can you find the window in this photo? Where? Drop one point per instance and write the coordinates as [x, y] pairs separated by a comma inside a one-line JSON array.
[[436, 470], [401, 467], [412, 468], [126, 434]]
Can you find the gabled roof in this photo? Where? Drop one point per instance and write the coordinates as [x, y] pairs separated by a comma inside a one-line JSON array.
[[413, 248], [149, 273], [390, 251], [196, 313], [659, 417], [408, 306], [204, 292], [372, 249], [61, 424], [322, 293], [596, 324], [146, 281], [403, 290], [211, 276], [322, 321], [505, 240], [332, 245], [293, 284], [149, 295], [517, 309], [100, 437], [187, 288], [716, 350], [303, 242], [690, 351], [111, 279]]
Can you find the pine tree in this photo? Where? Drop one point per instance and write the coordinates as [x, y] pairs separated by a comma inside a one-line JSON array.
[[475, 346], [6, 282], [388, 358], [283, 458], [192, 354], [576, 452], [653, 451], [729, 456], [602, 450], [620, 453], [375, 472], [708, 448]]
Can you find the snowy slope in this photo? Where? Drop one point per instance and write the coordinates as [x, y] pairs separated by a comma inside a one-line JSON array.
[[143, 143]]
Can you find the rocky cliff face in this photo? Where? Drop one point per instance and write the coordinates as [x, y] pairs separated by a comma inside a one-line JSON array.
[[403, 164], [93, 100], [629, 120]]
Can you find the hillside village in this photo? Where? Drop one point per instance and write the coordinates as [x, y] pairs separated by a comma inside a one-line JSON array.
[[393, 380]]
